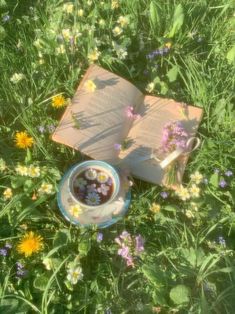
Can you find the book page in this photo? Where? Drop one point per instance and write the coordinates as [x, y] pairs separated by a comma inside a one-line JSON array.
[[146, 135], [96, 120]]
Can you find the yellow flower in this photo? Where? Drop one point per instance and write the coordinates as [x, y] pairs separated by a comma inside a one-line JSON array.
[[58, 101], [33, 171], [93, 55], [60, 50], [196, 177], [90, 86], [168, 45], [22, 140], [114, 4], [150, 87], [189, 213], [22, 170], [155, 208], [66, 33], [80, 12], [7, 194], [123, 21], [45, 188], [75, 210], [68, 7], [29, 244], [194, 190], [183, 193], [117, 31]]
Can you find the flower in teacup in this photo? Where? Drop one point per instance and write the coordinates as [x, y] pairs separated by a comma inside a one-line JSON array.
[[93, 199], [91, 174], [91, 188], [80, 183], [75, 210], [102, 177], [103, 189]]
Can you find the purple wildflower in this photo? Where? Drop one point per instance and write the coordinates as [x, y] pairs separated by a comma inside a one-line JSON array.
[[164, 194], [174, 137], [99, 237], [6, 18], [117, 146], [19, 265], [216, 170], [221, 241], [124, 251], [103, 189], [223, 183], [228, 173], [41, 129], [3, 252], [158, 52], [125, 235], [139, 244]]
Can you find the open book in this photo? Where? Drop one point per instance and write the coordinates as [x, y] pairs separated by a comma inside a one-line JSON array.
[[96, 120]]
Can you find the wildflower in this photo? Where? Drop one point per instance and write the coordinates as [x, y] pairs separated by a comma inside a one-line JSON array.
[[129, 111], [45, 188], [33, 171], [3, 252], [117, 31], [47, 262], [223, 183], [20, 271], [91, 174], [93, 199], [68, 7], [102, 177], [194, 190], [164, 194], [93, 55], [41, 129], [16, 78], [30, 243], [6, 18], [99, 237], [189, 213], [183, 193], [22, 140], [194, 206], [8, 246], [117, 146], [115, 4], [7, 194], [150, 87], [123, 21], [90, 86], [160, 52], [196, 177], [60, 50], [89, 2], [80, 12], [102, 22], [51, 128], [174, 137], [139, 244], [66, 33], [21, 170], [155, 208], [103, 189], [216, 170], [221, 241], [81, 183], [91, 187], [228, 173], [3, 165], [58, 101], [168, 45], [74, 274], [120, 51], [75, 210]]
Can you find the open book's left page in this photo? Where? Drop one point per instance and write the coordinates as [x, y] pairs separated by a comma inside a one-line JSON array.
[[95, 120]]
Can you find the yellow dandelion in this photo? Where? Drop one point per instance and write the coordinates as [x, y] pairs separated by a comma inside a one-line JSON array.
[[196, 177], [155, 208], [7, 194], [58, 101], [30, 243], [75, 210], [168, 45], [90, 86], [194, 190], [22, 140]]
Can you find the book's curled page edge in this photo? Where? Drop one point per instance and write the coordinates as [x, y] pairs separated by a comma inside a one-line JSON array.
[[146, 135], [100, 114]]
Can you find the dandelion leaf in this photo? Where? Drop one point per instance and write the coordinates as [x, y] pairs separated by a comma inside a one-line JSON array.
[[178, 21]]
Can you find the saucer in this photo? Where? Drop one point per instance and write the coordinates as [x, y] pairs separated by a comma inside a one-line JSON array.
[[103, 216]]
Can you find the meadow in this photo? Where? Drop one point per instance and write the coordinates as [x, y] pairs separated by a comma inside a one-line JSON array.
[[180, 49]]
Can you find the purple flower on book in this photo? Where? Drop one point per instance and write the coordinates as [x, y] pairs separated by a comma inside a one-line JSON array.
[[174, 136], [223, 183], [117, 146], [129, 111], [51, 128], [99, 237]]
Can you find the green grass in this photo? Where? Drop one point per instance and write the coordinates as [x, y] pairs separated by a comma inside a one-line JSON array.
[[184, 268]]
